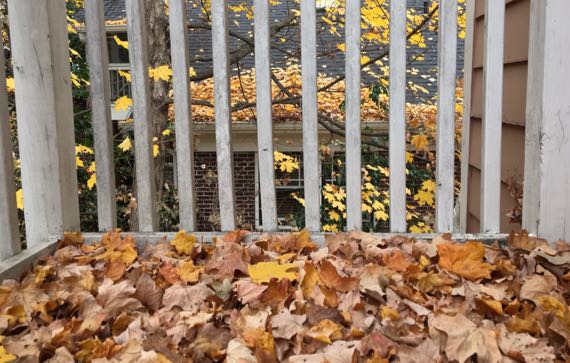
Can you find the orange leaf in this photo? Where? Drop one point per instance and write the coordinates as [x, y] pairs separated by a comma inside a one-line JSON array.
[[465, 260]]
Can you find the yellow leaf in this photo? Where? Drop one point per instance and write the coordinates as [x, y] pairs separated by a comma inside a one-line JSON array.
[[380, 214], [334, 215], [424, 198], [552, 304], [5, 356], [388, 312], [265, 271], [121, 43], [183, 242], [166, 132], [126, 145], [428, 185], [92, 180], [123, 103], [155, 150], [20, 199], [163, 72], [420, 142], [409, 158], [10, 84], [188, 272], [82, 149], [125, 75], [326, 331], [78, 162]]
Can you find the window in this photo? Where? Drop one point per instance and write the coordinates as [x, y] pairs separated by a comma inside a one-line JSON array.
[[117, 54], [323, 4]]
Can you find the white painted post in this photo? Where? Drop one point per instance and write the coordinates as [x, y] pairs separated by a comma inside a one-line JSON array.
[[546, 203], [45, 117], [492, 116], [144, 159], [98, 59], [352, 103], [397, 116], [466, 123], [9, 229], [182, 113], [311, 170], [264, 116], [447, 66], [222, 104]]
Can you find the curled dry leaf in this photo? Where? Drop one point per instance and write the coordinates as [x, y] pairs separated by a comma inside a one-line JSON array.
[[362, 299]]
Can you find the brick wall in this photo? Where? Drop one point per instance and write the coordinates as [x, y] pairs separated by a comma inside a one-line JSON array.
[[207, 203]]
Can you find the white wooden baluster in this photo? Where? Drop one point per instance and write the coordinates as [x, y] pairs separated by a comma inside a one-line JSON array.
[[546, 203], [492, 116], [8, 212], [312, 192], [397, 116], [352, 103], [466, 123], [182, 113], [40, 53], [447, 66], [264, 116], [222, 105], [97, 56], [144, 159]]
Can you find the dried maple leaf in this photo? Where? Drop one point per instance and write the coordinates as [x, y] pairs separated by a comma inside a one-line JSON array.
[[188, 298], [236, 236], [263, 272], [168, 271], [147, 292], [248, 290], [464, 338], [117, 298], [189, 272], [183, 243], [286, 325], [118, 248], [226, 266], [397, 260], [524, 347], [326, 331], [238, 352], [465, 260], [332, 279]]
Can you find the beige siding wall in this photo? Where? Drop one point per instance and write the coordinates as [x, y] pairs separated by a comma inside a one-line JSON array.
[[514, 102]]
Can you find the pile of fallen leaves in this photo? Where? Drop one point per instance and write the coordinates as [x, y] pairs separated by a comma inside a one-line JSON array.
[[282, 298]]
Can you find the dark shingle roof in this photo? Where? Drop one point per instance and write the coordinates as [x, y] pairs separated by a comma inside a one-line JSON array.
[[200, 45]]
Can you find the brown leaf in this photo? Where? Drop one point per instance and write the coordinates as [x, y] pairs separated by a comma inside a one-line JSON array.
[[332, 279], [227, 266], [236, 236], [188, 298], [465, 260], [168, 271], [524, 347], [397, 260], [248, 291], [117, 298], [147, 292]]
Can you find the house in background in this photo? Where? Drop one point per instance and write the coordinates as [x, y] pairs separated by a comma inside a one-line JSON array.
[[287, 135]]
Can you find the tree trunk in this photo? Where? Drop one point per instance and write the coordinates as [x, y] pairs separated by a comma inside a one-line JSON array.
[[159, 55]]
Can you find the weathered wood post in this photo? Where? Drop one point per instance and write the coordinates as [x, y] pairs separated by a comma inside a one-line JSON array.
[[8, 212], [546, 203], [101, 114], [44, 105]]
